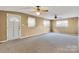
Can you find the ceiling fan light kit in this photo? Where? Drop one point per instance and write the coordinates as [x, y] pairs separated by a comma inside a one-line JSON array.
[[38, 13]]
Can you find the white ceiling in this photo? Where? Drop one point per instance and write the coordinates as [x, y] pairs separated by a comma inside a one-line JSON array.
[[60, 11]]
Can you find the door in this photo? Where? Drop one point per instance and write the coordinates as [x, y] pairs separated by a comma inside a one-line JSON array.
[[13, 26]]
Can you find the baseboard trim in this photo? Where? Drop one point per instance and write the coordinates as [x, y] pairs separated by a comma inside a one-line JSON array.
[[32, 35], [23, 37], [3, 41]]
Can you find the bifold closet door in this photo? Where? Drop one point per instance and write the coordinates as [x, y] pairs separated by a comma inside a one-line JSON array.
[[13, 26]]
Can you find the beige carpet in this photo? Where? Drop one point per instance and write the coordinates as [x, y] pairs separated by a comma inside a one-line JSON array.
[[47, 43]]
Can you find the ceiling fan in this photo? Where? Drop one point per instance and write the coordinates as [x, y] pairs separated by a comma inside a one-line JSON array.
[[39, 10], [57, 17]]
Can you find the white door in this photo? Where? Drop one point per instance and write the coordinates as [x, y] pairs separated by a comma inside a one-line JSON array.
[[13, 26]]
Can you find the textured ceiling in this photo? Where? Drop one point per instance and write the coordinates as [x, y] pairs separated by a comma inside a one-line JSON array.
[[60, 11]]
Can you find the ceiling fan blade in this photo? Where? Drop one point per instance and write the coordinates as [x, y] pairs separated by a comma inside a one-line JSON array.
[[43, 10], [40, 10]]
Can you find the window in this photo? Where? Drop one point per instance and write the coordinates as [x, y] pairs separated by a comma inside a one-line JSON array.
[[63, 23], [46, 23], [31, 22]]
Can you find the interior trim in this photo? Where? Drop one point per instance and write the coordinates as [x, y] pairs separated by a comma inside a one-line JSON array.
[[23, 37]]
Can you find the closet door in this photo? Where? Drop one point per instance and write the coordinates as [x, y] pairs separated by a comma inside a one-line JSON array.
[[13, 26]]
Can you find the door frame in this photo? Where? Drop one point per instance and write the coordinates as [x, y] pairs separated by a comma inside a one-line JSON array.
[[7, 25]]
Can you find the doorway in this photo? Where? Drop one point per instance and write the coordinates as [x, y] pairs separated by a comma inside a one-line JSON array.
[[13, 26]]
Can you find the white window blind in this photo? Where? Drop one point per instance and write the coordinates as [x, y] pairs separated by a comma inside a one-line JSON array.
[[46, 23], [62, 23], [31, 22]]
